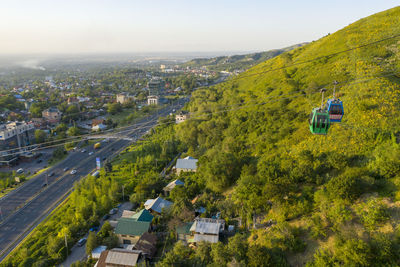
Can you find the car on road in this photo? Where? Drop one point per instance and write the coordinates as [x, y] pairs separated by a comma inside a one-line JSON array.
[[113, 211], [51, 174], [83, 150], [105, 217], [44, 185], [81, 242], [20, 170], [73, 171], [39, 161], [90, 153], [66, 169]]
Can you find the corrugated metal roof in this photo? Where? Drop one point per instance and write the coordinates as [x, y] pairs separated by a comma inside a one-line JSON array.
[[143, 216], [189, 163], [207, 238], [184, 229], [158, 204], [127, 214], [205, 227], [172, 184], [126, 258], [148, 202], [129, 226]]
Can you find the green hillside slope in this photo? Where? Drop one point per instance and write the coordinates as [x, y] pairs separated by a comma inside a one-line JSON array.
[[237, 62], [335, 198]]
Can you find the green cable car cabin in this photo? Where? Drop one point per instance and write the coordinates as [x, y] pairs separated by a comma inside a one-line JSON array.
[[319, 121]]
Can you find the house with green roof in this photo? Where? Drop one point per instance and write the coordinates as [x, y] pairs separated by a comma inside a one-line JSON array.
[[143, 216], [183, 232], [129, 230]]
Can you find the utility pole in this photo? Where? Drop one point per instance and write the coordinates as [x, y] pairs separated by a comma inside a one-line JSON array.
[[66, 243]]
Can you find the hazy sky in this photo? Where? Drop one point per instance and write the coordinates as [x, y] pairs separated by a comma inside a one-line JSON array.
[[114, 26]]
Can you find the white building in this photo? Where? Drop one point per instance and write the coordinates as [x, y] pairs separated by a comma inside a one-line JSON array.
[[152, 100]]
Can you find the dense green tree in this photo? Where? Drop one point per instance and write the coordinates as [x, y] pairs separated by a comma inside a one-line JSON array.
[[40, 136], [91, 243], [73, 131]]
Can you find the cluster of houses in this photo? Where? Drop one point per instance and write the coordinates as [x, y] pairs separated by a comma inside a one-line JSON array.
[[138, 242]]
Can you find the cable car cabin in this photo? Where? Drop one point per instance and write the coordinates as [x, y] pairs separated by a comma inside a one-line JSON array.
[[335, 110], [319, 121]]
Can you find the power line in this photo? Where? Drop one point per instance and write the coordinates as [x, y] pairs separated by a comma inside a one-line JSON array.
[[201, 114], [254, 74]]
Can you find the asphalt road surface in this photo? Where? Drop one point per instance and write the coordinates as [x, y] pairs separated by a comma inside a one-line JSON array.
[[23, 208]]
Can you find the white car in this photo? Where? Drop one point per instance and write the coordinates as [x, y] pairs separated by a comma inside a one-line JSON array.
[[90, 153], [73, 171]]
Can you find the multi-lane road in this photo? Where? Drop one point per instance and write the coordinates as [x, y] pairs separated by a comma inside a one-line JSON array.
[[25, 207]]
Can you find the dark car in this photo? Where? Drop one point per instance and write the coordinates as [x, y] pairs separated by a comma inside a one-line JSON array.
[[51, 174], [44, 185], [81, 242], [105, 217], [104, 158], [39, 161]]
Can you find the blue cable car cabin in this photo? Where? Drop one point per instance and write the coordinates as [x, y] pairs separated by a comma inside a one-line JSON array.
[[335, 110], [319, 121]]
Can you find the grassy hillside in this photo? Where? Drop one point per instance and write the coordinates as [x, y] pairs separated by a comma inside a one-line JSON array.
[[335, 199], [237, 62]]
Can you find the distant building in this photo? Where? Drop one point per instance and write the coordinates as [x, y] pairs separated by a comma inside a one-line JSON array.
[[152, 100], [125, 98], [157, 205], [156, 86], [181, 117], [15, 135], [28, 104], [187, 164], [52, 115], [98, 125], [72, 101]]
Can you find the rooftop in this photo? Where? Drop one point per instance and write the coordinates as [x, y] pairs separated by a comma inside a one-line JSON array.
[[132, 227], [184, 229], [172, 185], [118, 257], [187, 163], [206, 227], [143, 216], [157, 204]]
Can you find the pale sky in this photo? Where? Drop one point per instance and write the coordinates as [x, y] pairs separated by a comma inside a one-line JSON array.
[[119, 26]]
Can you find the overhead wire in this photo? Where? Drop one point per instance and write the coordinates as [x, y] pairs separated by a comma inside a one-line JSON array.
[[200, 115], [239, 77]]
